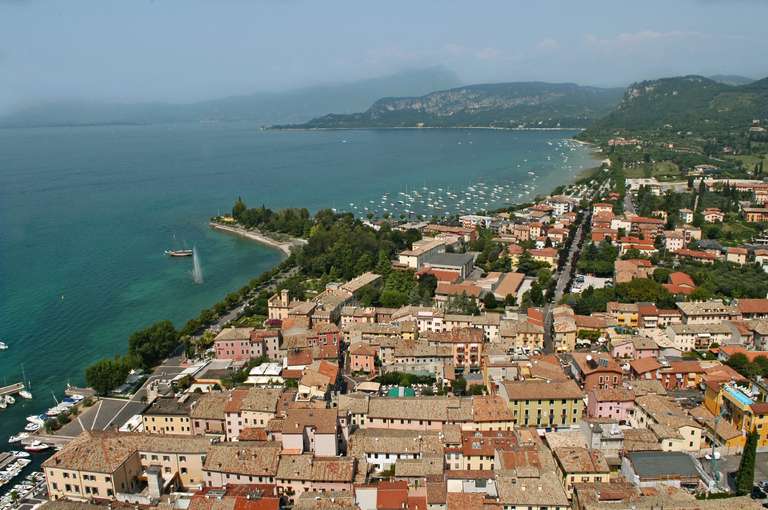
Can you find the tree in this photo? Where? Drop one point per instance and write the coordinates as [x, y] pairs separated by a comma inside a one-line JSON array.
[[661, 275], [238, 209], [106, 375], [489, 300], [745, 478], [459, 386], [152, 344], [510, 300]]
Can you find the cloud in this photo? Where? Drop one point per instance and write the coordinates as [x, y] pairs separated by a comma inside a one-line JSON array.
[[548, 44], [488, 54], [628, 40]]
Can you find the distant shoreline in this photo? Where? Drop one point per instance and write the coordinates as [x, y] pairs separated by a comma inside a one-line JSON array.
[[255, 235], [494, 128]]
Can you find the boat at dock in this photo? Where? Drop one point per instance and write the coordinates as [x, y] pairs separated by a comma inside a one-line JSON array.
[[178, 253], [37, 446], [25, 394], [18, 437]]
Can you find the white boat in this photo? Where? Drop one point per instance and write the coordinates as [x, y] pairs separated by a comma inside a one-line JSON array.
[[3, 346], [19, 454], [37, 446], [18, 437], [3, 405], [10, 400], [32, 427], [35, 418], [25, 394]]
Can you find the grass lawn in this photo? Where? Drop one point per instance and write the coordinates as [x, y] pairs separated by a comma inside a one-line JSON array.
[[737, 232], [750, 161], [661, 170]]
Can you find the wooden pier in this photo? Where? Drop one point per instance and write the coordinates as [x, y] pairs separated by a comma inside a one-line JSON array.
[[10, 390]]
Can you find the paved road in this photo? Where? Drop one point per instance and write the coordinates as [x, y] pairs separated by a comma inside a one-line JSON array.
[[565, 272], [629, 205]]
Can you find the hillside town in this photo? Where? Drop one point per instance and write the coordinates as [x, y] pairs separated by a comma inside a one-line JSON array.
[[581, 358]]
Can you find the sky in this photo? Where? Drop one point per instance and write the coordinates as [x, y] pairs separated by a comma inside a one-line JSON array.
[[188, 50]]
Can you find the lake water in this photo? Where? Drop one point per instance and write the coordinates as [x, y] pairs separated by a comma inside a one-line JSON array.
[[85, 214]]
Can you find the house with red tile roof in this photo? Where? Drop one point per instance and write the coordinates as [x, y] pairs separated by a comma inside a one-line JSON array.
[[595, 370], [696, 255], [680, 284], [737, 255], [753, 308], [645, 368]]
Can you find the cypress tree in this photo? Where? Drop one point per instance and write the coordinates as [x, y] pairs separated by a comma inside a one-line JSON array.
[[745, 478]]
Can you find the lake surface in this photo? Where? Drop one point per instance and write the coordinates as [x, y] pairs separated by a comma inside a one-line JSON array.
[[85, 214]]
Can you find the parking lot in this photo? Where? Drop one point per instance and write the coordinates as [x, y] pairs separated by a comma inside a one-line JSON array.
[[730, 464]]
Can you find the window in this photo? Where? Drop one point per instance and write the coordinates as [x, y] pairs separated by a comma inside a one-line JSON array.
[[182, 458]]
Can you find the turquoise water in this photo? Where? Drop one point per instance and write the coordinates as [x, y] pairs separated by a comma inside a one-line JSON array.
[[85, 214]]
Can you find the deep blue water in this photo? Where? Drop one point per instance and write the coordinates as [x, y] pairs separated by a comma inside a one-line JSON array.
[[85, 214]]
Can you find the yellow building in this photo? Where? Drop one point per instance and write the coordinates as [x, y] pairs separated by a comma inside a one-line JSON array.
[[581, 465], [739, 409], [626, 314], [168, 415], [543, 404], [125, 466]]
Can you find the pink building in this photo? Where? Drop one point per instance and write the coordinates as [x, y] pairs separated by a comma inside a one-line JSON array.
[[612, 403], [242, 344], [362, 358], [623, 349]]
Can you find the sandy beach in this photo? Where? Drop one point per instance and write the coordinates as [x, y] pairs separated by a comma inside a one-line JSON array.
[[255, 235]]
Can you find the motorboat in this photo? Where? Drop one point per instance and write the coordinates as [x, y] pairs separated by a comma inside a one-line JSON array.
[[37, 446], [10, 400], [37, 418], [32, 427], [25, 394], [18, 437], [19, 454]]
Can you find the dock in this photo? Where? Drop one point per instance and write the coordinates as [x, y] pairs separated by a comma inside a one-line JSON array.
[[10, 390]]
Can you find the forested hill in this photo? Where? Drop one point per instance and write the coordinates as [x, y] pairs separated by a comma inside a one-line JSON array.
[[508, 105], [686, 103]]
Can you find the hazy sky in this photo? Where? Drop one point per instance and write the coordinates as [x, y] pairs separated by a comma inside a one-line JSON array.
[[184, 50]]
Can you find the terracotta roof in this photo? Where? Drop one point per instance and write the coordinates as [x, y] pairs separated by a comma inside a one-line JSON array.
[[680, 278], [613, 395], [458, 289], [526, 390], [323, 421], [210, 406], [490, 408], [455, 335], [391, 495], [643, 365], [317, 469], [249, 460], [104, 452], [361, 349], [581, 460], [510, 284], [753, 306]]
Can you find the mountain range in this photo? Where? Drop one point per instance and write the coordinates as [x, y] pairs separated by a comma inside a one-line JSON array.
[[432, 98], [509, 105], [265, 108]]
